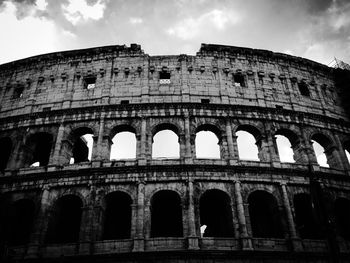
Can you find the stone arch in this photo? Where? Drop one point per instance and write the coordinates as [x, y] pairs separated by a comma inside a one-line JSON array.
[[306, 219], [165, 126], [166, 214], [125, 147], [249, 149], [346, 146], [37, 149], [265, 217], [122, 128], [80, 151], [6, 149], [17, 221], [211, 148], [165, 144], [117, 216], [175, 189], [252, 129], [329, 148], [294, 141], [216, 214], [116, 188], [65, 219], [342, 217]]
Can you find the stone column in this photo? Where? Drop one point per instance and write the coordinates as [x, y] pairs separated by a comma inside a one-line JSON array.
[[15, 157], [264, 149], [246, 241], [271, 145], [139, 240], [230, 143], [99, 150], [291, 226], [308, 149], [300, 152], [39, 230], [56, 158], [192, 236], [333, 157], [188, 150], [88, 220], [143, 137], [37, 237], [342, 154]]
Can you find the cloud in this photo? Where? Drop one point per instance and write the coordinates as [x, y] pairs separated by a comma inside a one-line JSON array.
[[192, 27], [135, 20], [26, 37], [77, 11], [316, 29]]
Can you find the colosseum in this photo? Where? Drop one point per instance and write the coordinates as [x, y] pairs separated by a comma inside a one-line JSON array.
[[63, 199]]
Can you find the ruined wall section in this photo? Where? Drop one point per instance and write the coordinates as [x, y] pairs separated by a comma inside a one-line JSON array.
[[127, 75]]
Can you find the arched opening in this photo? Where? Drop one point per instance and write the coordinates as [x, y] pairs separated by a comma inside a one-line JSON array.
[[264, 215], [82, 145], [342, 217], [166, 214], [5, 146], [64, 222], [38, 149], [324, 151], [284, 148], [247, 143], [18, 222], [216, 214], [165, 142], [117, 222], [124, 146], [208, 142], [306, 219], [347, 150]]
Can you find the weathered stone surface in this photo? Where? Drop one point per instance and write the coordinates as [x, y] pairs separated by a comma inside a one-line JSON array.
[[49, 97]]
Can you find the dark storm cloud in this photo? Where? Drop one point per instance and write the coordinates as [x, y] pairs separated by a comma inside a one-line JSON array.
[[317, 6]]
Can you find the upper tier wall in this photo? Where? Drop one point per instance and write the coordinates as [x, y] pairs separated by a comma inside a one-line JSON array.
[[127, 75]]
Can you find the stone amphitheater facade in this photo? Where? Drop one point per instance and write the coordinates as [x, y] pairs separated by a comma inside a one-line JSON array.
[[151, 209]]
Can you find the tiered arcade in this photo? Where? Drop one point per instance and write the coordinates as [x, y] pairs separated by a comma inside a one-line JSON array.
[[59, 204]]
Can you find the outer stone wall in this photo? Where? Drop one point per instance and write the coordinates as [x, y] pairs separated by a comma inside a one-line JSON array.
[[222, 89]]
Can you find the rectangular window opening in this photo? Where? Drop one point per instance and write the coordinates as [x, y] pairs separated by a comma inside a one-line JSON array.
[[205, 101], [124, 102], [90, 82], [18, 92], [164, 77], [303, 88], [239, 80]]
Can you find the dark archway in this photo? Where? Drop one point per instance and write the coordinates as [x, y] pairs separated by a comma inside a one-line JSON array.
[[324, 151], [17, 222], [166, 214], [216, 214], [38, 149], [342, 217], [264, 215], [65, 219], [306, 220], [117, 222], [82, 145], [5, 152]]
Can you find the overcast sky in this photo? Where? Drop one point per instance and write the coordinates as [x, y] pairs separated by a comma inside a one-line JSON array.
[[315, 29]]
